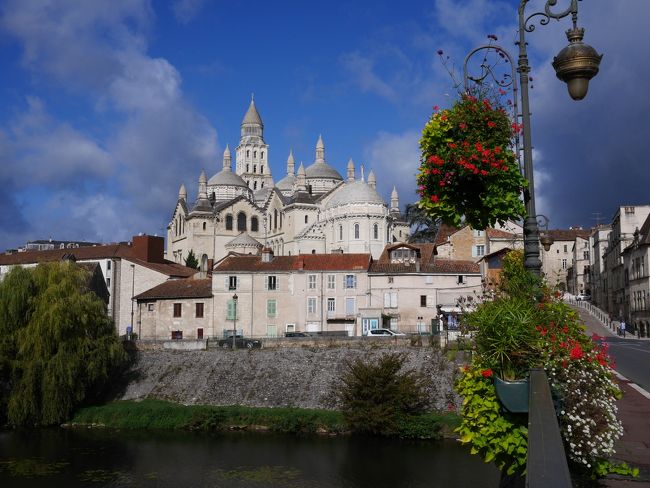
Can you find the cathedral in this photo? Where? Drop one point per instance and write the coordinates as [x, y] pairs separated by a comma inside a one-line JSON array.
[[313, 210]]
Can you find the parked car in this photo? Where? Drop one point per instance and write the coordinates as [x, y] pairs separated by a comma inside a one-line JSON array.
[[241, 342], [383, 333], [296, 334], [583, 296]]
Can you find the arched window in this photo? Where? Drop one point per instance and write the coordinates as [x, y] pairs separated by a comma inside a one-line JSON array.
[[248, 154], [262, 168], [254, 185], [248, 168], [254, 168], [375, 231], [281, 214], [213, 197], [275, 218], [228, 222], [356, 231], [204, 225], [241, 221], [255, 226], [262, 157], [306, 219], [255, 154], [340, 232]]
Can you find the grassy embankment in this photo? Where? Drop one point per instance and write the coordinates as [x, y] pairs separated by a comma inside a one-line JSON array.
[[157, 414]]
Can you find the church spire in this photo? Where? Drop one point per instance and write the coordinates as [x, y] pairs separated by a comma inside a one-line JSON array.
[[301, 180], [372, 181], [252, 125], [290, 163], [203, 180], [227, 159], [320, 150], [182, 192], [350, 170], [394, 201]]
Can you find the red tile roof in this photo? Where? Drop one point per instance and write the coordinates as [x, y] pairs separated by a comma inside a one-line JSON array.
[[429, 263], [307, 262], [187, 288], [121, 251], [499, 234], [569, 234]]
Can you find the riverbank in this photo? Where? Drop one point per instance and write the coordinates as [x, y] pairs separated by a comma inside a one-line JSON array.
[[164, 415]]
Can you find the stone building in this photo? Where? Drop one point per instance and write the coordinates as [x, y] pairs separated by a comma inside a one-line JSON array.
[[636, 259], [310, 210]]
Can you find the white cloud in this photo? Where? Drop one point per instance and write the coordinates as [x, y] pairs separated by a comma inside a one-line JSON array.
[[362, 70], [186, 10], [395, 159]]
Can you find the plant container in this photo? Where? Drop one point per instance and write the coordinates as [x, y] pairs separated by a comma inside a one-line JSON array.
[[513, 394]]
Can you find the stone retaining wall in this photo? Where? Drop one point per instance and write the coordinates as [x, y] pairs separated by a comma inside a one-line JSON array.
[[274, 377]]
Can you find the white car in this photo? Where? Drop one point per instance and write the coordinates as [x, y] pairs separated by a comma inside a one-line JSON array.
[[384, 333], [583, 296]]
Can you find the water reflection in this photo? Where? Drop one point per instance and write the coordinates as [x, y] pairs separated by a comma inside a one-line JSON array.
[[62, 458]]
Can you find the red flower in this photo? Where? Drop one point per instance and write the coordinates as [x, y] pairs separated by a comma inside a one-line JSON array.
[[435, 108], [434, 198], [486, 373], [491, 124], [576, 352]]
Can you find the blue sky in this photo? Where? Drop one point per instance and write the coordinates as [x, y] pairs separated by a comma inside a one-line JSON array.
[[108, 106]]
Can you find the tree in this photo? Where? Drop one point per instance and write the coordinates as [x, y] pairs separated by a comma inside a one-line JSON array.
[[191, 261], [423, 227], [58, 346]]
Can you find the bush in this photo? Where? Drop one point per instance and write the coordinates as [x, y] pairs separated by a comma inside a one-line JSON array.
[[375, 398]]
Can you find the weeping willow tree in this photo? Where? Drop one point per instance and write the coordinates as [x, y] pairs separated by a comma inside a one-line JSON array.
[[58, 348]]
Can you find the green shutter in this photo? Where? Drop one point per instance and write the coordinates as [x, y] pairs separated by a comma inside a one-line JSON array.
[[270, 308], [231, 310]]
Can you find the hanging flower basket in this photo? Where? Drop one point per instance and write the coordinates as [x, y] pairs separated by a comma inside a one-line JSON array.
[[468, 171], [513, 394]]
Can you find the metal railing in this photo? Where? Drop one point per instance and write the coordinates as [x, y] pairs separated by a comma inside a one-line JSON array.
[[547, 464], [597, 313]]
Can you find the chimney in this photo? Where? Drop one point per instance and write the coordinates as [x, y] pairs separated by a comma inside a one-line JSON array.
[[149, 248]]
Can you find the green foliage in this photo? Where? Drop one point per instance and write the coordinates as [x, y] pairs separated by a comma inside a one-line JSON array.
[[423, 227], [505, 335], [59, 347], [191, 261], [468, 169], [494, 435], [374, 396], [517, 281]]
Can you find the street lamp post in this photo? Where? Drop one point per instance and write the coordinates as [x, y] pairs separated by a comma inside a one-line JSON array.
[[576, 64], [234, 321]]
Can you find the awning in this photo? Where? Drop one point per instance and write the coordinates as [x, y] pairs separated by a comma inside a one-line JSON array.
[[450, 309]]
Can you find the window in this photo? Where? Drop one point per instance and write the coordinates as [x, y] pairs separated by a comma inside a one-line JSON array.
[[271, 308], [262, 157], [248, 154], [350, 281], [311, 282], [461, 279], [585, 255], [254, 168], [306, 219], [231, 310], [232, 283], [247, 168], [350, 306], [262, 169], [390, 299], [479, 250], [255, 225], [108, 265], [564, 262], [391, 279], [108, 283], [241, 221], [199, 310], [565, 248], [254, 185], [331, 282], [331, 306], [177, 309], [150, 307], [311, 305], [478, 233], [255, 154], [340, 232], [271, 283], [204, 225], [228, 222], [423, 300], [271, 331], [275, 219], [356, 231], [375, 231]]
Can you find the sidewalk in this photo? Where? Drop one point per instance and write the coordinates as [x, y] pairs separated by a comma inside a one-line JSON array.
[[634, 411]]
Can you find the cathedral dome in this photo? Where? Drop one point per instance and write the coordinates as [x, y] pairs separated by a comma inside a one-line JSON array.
[[226, 177], [354, 192], [322, 170]]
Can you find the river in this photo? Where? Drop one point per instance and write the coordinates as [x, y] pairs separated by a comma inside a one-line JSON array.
[[109, 458]]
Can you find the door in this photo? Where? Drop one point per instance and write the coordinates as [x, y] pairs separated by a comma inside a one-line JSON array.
[[199, 333], [369, 324]]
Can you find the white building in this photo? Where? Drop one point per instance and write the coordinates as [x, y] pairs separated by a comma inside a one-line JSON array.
[[311, 210]]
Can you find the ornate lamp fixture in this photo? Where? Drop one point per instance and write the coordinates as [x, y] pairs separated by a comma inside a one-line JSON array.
[[577, 63]]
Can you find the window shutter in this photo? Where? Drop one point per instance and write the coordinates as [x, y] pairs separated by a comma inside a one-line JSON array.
[[430, 301], [386, 300], [266, 282], [238, 282], [226, 286], [393, 299], [230, 315], [474, 253]]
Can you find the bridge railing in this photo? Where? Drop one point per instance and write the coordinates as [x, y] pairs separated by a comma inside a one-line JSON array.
[[547, 463], [597, 313]]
